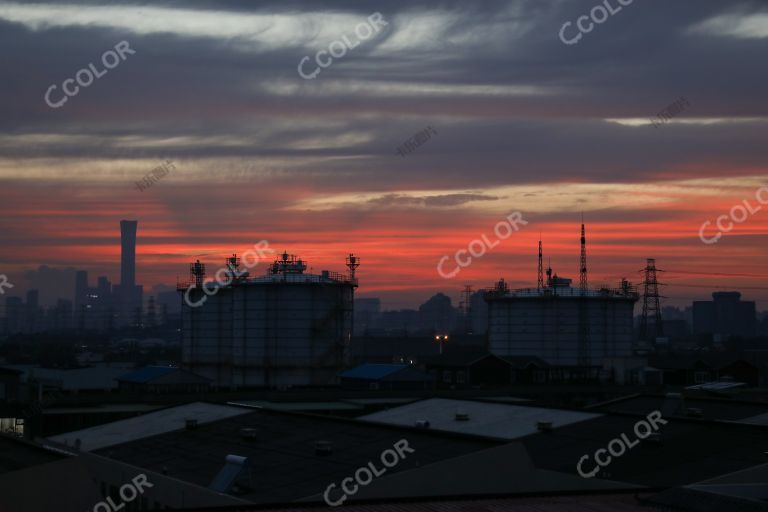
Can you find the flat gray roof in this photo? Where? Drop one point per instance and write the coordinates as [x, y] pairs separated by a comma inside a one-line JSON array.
[[102, 408], [297, 406], [503, 421], [147, 425], [380, 401]]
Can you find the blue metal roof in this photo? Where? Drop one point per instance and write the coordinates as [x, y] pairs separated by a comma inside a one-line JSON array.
[[147, 374], [372, 371]]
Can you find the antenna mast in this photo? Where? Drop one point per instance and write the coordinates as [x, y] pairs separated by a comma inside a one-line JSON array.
[[541, 267], [584, 348], [352, 263], [583, 281]]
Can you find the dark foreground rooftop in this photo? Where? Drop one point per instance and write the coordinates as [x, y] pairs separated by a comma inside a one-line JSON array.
[[282, 455], [615, 502], [687, 451]]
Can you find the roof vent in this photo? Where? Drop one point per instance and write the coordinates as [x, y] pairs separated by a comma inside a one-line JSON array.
[[544, 426], [248, 433], [191, 424], [694, 412], [462, 416], [422, 424], [323, 448]]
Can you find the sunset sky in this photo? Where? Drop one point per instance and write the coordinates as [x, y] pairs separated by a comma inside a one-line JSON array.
[[524, 123]]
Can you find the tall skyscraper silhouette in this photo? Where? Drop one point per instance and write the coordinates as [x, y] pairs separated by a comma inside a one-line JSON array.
[[128, 254], [129, 294]]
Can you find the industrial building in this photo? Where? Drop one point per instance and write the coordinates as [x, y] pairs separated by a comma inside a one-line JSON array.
[[561, 324], [724, 316], [285, 328]]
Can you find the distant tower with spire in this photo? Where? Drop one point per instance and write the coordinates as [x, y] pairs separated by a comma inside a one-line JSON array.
[[583, 280]]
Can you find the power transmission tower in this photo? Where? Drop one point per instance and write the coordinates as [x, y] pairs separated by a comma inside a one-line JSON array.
[[651, 303]]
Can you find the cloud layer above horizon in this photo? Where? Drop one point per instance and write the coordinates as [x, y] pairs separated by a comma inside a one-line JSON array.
[[523, 123]]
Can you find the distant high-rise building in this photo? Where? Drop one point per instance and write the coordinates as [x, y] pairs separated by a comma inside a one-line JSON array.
[[726, 315], [81, 288], [14, 307], [163, 314], [170, 300], [479, 313], [151, 314], [33, 298], [367, 313], [128, 252], [32, 312], [128, 293], [94, 308], [59, 318], [103, 304], [398, 323], [437, 315], [81, 298]]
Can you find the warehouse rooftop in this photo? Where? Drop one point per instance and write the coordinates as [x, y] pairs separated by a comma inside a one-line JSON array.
[[723, 409], [151, 424], [281, 449], [497, 420]]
